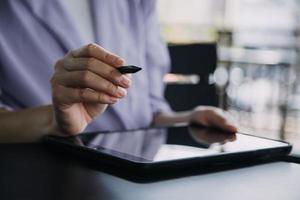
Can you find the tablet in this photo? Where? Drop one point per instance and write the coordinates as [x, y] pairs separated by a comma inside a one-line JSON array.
[[167, 148]]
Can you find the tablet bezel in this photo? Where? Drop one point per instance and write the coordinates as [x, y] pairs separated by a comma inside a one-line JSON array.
[[225, 158]]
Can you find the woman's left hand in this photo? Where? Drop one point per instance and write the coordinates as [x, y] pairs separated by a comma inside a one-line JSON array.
[[212, 117]]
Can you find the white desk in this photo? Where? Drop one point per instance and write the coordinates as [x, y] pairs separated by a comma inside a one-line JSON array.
[[271, 181]]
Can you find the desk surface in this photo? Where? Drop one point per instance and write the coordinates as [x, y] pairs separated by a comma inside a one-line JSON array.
[[32, 172]]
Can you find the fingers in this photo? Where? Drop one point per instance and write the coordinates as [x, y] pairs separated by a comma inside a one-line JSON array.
[[220, 121], [76, 95], [98, 67], [89, 74], [94, 50], [87, 79], [213, 117]]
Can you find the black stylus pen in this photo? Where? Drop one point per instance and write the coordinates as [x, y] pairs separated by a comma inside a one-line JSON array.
[[129, 69]]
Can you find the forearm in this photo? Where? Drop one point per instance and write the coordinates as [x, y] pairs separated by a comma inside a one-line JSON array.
[[165, 119], [26, 125]]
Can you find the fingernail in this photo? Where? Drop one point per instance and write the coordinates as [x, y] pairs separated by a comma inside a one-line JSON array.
[[232, 128], [121, 92], [125, 81], [128, 75], [113, 99], [119, 61]]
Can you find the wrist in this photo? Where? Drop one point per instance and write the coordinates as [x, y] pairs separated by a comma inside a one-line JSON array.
[[52, 127], [171, 118]]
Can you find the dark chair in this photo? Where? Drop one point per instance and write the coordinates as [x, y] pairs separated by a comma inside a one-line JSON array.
[[196, 59]]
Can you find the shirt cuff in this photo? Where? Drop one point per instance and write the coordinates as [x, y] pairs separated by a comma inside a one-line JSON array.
[[5, 106], [160, 105]]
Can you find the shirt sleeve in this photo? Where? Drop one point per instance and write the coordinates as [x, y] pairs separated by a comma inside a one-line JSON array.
[[3, 105], [157, 57], [3, 101]]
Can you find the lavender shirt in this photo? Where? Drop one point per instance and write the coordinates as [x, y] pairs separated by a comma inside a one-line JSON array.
[[35, 33]]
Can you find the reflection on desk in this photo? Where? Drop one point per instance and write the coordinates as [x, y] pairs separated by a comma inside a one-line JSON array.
[[31, 172]]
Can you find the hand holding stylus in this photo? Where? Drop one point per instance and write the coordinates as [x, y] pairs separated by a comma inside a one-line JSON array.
[[85, 81]]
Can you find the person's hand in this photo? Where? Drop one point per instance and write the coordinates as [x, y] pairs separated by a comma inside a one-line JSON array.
[[208, 136], [212, 117], [85, 82]]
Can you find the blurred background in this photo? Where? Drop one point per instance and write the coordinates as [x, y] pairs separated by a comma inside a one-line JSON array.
[[240, 55]]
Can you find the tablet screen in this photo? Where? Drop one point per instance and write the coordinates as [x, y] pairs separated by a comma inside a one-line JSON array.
[[165, 144]]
